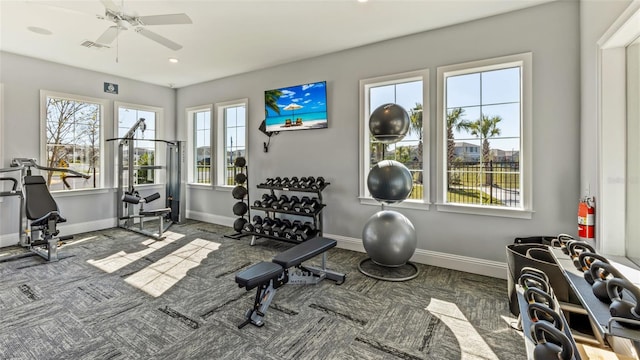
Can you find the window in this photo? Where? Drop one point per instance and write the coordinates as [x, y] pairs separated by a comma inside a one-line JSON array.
[[232, 137], [201, 152], [72, 139], [409, 90], [145, 149], [483, 137]]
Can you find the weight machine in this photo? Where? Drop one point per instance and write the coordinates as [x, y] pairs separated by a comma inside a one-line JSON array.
[[128, 198], [37, 208]]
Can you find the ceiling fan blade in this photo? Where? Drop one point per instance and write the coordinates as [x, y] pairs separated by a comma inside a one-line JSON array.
[[108, 36], [158, 38], [110, 5], [168, 19]]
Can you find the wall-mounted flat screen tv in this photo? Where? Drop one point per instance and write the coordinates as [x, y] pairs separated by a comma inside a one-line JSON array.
[[299, 107]]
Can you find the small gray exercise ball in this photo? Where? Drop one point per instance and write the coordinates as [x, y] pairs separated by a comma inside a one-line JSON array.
[[389, 238], [389, 182], [389, 123]]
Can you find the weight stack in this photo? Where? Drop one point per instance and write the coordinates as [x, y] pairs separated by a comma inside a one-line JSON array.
[[240, 192]]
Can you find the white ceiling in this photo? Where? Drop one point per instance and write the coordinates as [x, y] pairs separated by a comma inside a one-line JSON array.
[[226, 37]]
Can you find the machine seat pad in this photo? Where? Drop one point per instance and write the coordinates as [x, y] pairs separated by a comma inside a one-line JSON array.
[[304, 251], [158, 212], [258, 274], [53, 215]]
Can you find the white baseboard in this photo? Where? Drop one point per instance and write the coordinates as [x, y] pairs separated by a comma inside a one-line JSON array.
[[210, 218], [450, 261], [66, 229]]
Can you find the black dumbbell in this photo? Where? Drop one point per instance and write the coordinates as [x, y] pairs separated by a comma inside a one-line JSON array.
[[275, 226], [267, 200], [318, 184], [293, 183], [277, 181], [269, 182], [288, 206], [310, 181], [305, 231], [281, 229], [281, 201], [267, 223], [248, 228], [257, 224], [284, 182], [290, 233], [301, 182], [311, 206], [299, 207]]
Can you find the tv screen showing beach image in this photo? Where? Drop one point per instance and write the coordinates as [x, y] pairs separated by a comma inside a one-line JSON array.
[[298, 107]]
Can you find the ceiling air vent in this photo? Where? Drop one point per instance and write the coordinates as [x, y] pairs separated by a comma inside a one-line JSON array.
[[89, 44]]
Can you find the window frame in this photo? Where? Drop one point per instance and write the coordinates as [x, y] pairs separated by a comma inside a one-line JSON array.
[[159, 176], [524, 61], [221, 137], [364, 158], [191, 143], [44, 94]]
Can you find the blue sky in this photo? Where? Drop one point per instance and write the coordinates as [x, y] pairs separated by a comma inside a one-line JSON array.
[[311, 98]]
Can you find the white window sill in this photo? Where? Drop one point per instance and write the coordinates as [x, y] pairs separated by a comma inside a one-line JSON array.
[[486, 211], [416, 205], [80, 192], [200, 186], [227, 188]]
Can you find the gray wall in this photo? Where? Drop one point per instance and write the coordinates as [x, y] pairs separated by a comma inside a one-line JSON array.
[[550, 32], [23, 78]]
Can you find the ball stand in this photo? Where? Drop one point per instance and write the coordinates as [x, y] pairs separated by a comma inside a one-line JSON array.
[[404, 272]]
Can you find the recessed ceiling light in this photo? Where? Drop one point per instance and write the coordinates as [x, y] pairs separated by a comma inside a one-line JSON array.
[[362, 1], [173, 60], [39, 30]]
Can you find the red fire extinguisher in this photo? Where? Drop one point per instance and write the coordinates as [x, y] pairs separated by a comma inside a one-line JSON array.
[[586, 218]]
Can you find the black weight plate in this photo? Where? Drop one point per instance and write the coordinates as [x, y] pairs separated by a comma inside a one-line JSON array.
[[240, 178], [239, 192], [240, 208], [240, 162]]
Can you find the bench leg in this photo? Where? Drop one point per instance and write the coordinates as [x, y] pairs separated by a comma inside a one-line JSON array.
[[264, 296]]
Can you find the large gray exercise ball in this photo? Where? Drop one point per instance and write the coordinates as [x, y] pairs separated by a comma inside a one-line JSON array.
[[389, 123], [389, 182], [389, 238]]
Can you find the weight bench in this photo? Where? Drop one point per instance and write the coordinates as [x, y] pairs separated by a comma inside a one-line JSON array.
[[269, 276]]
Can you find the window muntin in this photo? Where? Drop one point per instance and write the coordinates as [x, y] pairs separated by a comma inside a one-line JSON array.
[[145, 149], [409, 91], [484, 136], [202, 150], [72, 139]]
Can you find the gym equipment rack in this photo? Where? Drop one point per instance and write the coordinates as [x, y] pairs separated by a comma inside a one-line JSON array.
[[316, 214]]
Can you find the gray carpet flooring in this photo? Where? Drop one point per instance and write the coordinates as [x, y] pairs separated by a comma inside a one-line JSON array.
[[118, 295]]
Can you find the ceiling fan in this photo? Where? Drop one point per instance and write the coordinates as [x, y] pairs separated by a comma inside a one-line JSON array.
[[116, 15]]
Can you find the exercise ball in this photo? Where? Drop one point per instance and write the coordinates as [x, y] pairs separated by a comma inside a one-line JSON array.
[[389, 182], [389, 238], [389, 123]]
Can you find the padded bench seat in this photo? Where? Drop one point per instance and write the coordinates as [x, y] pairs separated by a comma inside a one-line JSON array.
[[303, 251], [258, 274]]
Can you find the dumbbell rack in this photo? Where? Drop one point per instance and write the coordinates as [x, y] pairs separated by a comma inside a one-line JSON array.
[[316, 215]]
